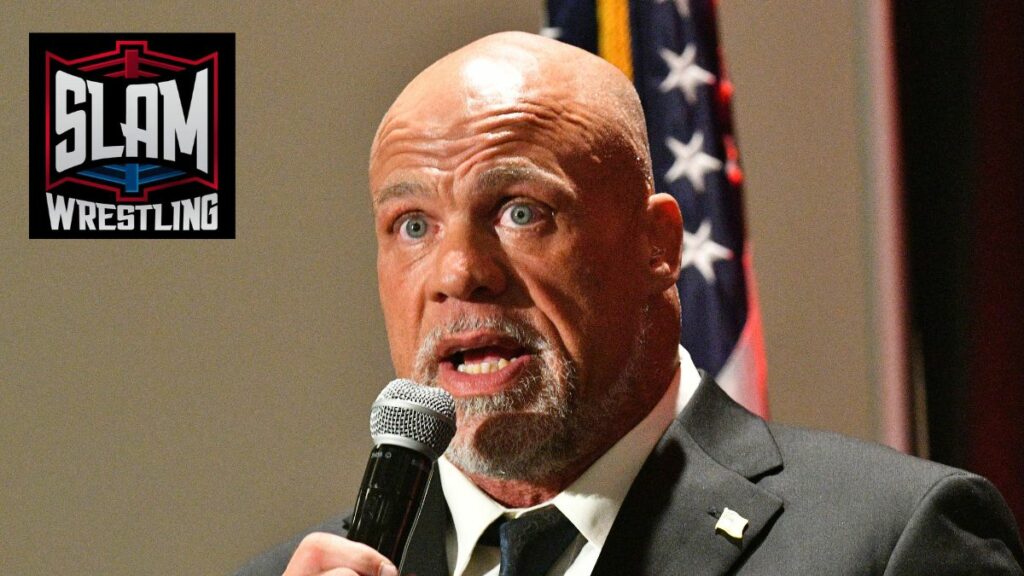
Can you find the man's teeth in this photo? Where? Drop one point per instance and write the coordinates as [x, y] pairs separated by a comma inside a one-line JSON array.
[[483, 367]]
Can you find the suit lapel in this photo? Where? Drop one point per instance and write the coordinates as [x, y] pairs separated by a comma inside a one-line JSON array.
[[426, 554], [707, 460]]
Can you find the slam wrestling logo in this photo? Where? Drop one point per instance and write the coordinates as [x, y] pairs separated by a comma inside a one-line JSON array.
[[132, 136]]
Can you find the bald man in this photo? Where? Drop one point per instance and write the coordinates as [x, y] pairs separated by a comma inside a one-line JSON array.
[[527, 267]]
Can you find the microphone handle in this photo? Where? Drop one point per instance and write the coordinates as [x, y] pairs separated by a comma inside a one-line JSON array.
[[389, 499]]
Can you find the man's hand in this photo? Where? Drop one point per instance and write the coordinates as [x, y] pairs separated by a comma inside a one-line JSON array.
[[322, 554]]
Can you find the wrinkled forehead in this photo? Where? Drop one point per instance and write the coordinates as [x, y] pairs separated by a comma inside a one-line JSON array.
[[570, 104]]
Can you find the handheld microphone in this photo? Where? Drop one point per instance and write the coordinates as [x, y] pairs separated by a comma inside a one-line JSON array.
[[411, 426]]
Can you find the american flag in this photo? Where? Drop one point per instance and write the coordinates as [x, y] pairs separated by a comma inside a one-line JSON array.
[[670, 50]]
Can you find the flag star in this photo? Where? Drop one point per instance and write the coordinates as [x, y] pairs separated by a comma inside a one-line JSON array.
[[690, 161], [682, 7], [552, 32], [683, 72], [700, 251]]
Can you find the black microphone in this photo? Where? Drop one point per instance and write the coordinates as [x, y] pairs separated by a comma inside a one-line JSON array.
[[411, 426]]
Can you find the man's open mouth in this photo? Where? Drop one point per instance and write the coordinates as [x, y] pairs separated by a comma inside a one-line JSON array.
[[484, 360]]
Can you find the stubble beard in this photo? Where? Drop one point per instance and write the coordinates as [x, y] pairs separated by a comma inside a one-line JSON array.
[[540, 426]]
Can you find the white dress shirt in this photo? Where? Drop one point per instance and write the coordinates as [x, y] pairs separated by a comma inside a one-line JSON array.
[[591, 503]]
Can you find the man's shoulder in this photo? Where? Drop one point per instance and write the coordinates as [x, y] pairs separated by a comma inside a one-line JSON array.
[[274, 561], [816, 460], [799, 461], [846, 498], [819, 449]]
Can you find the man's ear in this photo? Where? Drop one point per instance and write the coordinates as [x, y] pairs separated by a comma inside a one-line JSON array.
[[665, 238]]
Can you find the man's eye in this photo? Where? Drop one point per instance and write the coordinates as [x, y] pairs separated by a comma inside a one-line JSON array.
[[414, 227], [519, 214]]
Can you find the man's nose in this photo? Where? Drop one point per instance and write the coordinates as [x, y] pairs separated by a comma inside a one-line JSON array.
[[469, 266]]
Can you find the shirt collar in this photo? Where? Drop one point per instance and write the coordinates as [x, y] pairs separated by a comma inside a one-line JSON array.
[[593, 500]]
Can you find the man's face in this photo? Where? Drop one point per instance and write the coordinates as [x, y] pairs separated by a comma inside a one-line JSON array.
[[510, 266]]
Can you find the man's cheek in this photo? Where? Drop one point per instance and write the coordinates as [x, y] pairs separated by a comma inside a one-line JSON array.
[[401, 340]]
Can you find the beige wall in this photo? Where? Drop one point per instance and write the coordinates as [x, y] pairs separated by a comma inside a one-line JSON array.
[[796, 68], [172, 407]]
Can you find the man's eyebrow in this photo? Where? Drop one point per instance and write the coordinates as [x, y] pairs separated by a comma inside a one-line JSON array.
[[504, 176], [397, 191], [495, 178]]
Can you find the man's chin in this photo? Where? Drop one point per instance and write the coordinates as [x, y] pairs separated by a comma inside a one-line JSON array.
[[520, 446]]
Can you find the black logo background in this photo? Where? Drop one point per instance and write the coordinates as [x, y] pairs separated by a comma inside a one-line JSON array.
[[190, 46]]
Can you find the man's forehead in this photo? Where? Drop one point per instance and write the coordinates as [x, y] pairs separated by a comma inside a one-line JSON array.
[[565, 108], [498, 72], [496, 82], [459, 90]]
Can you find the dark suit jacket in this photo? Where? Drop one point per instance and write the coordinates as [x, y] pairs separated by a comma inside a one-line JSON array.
[[817, 504]]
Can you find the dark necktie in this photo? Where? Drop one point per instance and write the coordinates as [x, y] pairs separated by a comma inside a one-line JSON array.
[[531, 543]]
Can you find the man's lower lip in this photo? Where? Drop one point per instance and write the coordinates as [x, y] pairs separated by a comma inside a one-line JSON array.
[[464, 385]]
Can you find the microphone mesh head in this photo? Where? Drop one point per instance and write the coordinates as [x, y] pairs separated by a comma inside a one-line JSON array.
[[417, 417]]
